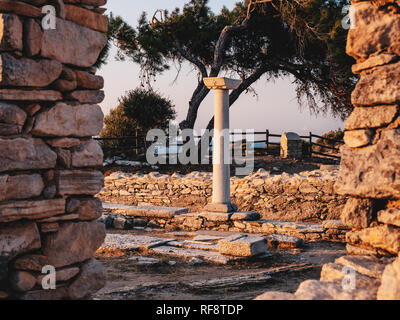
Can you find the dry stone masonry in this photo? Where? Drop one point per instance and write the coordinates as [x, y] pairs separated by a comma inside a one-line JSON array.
[[370, 168], [49, 164], [304, 197]]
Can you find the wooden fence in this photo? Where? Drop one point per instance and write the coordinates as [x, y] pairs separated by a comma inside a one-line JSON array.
[[138, 144]]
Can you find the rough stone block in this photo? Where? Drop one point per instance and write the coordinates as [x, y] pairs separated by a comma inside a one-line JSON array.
[[243, 246], [72, 44], [25, 154], [79, 182], [74, 242], [31, 210], [65, 120], [373, 171]]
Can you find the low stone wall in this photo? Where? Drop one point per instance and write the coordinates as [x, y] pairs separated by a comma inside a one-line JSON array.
[[308, 196]]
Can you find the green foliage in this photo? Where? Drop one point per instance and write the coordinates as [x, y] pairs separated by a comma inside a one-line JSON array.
[[302, 39], [149, 109], [334, 135], [117, 124], [139, 111]]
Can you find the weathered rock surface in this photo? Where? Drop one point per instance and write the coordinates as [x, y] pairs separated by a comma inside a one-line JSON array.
[[380, 28], [87, 96], [357, 213], [390, 216], [378, 87], [383, 237], [22, 281], [24, 154], [31, 209], [20, 187], [87, 80], [87, 18], [65, 120], [74, 242], [12, 119], [372, 117], [358, 138], [374, 61], [10, 32], [30, 262], [91, 279], [72, 44], [79, 182], [390, 287], [16, 239], [89, 154], [29, 95], [62, 275], [316, 290], [23, 72], [33, 35], [243, 246], [86, 208], [373, 171]]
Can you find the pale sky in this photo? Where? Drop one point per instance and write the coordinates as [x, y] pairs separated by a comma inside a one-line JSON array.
[[275, 108]]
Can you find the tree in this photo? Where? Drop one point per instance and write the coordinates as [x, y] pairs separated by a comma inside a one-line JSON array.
[[270, 38], [139, 111], [149, 109]]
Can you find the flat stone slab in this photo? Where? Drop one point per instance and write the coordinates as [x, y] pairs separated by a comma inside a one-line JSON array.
[[194, 245], [145, 211], [334, 224], [215, 216], [367, 265], [242, 245], [132, 242], [144, 261], [245, 216], [283, 242], [207, 238], [303, 227], [192, 253]]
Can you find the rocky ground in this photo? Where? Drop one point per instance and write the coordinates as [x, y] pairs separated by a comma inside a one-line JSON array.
[[142, 274]]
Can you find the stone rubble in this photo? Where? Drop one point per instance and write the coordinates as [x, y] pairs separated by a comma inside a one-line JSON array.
[[49, 162]]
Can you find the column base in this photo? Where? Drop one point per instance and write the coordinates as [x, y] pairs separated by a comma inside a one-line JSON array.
[[220, 207]]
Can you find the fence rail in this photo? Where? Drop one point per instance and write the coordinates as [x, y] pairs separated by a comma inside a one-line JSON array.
[[138, 144]]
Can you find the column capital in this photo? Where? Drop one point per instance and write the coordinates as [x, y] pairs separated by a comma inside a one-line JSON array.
[[221, 83]]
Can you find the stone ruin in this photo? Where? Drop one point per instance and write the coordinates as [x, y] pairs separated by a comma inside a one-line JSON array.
[[370, 168], [48, 163]]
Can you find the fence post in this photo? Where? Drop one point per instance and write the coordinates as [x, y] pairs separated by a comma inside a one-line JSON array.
[[267, 140], [167, 151], [311, 150]]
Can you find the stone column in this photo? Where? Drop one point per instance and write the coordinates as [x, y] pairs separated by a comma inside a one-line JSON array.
[[221, 199]]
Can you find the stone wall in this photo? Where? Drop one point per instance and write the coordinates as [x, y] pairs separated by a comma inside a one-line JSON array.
[[305, 197], [48, 162], [370, 168]]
